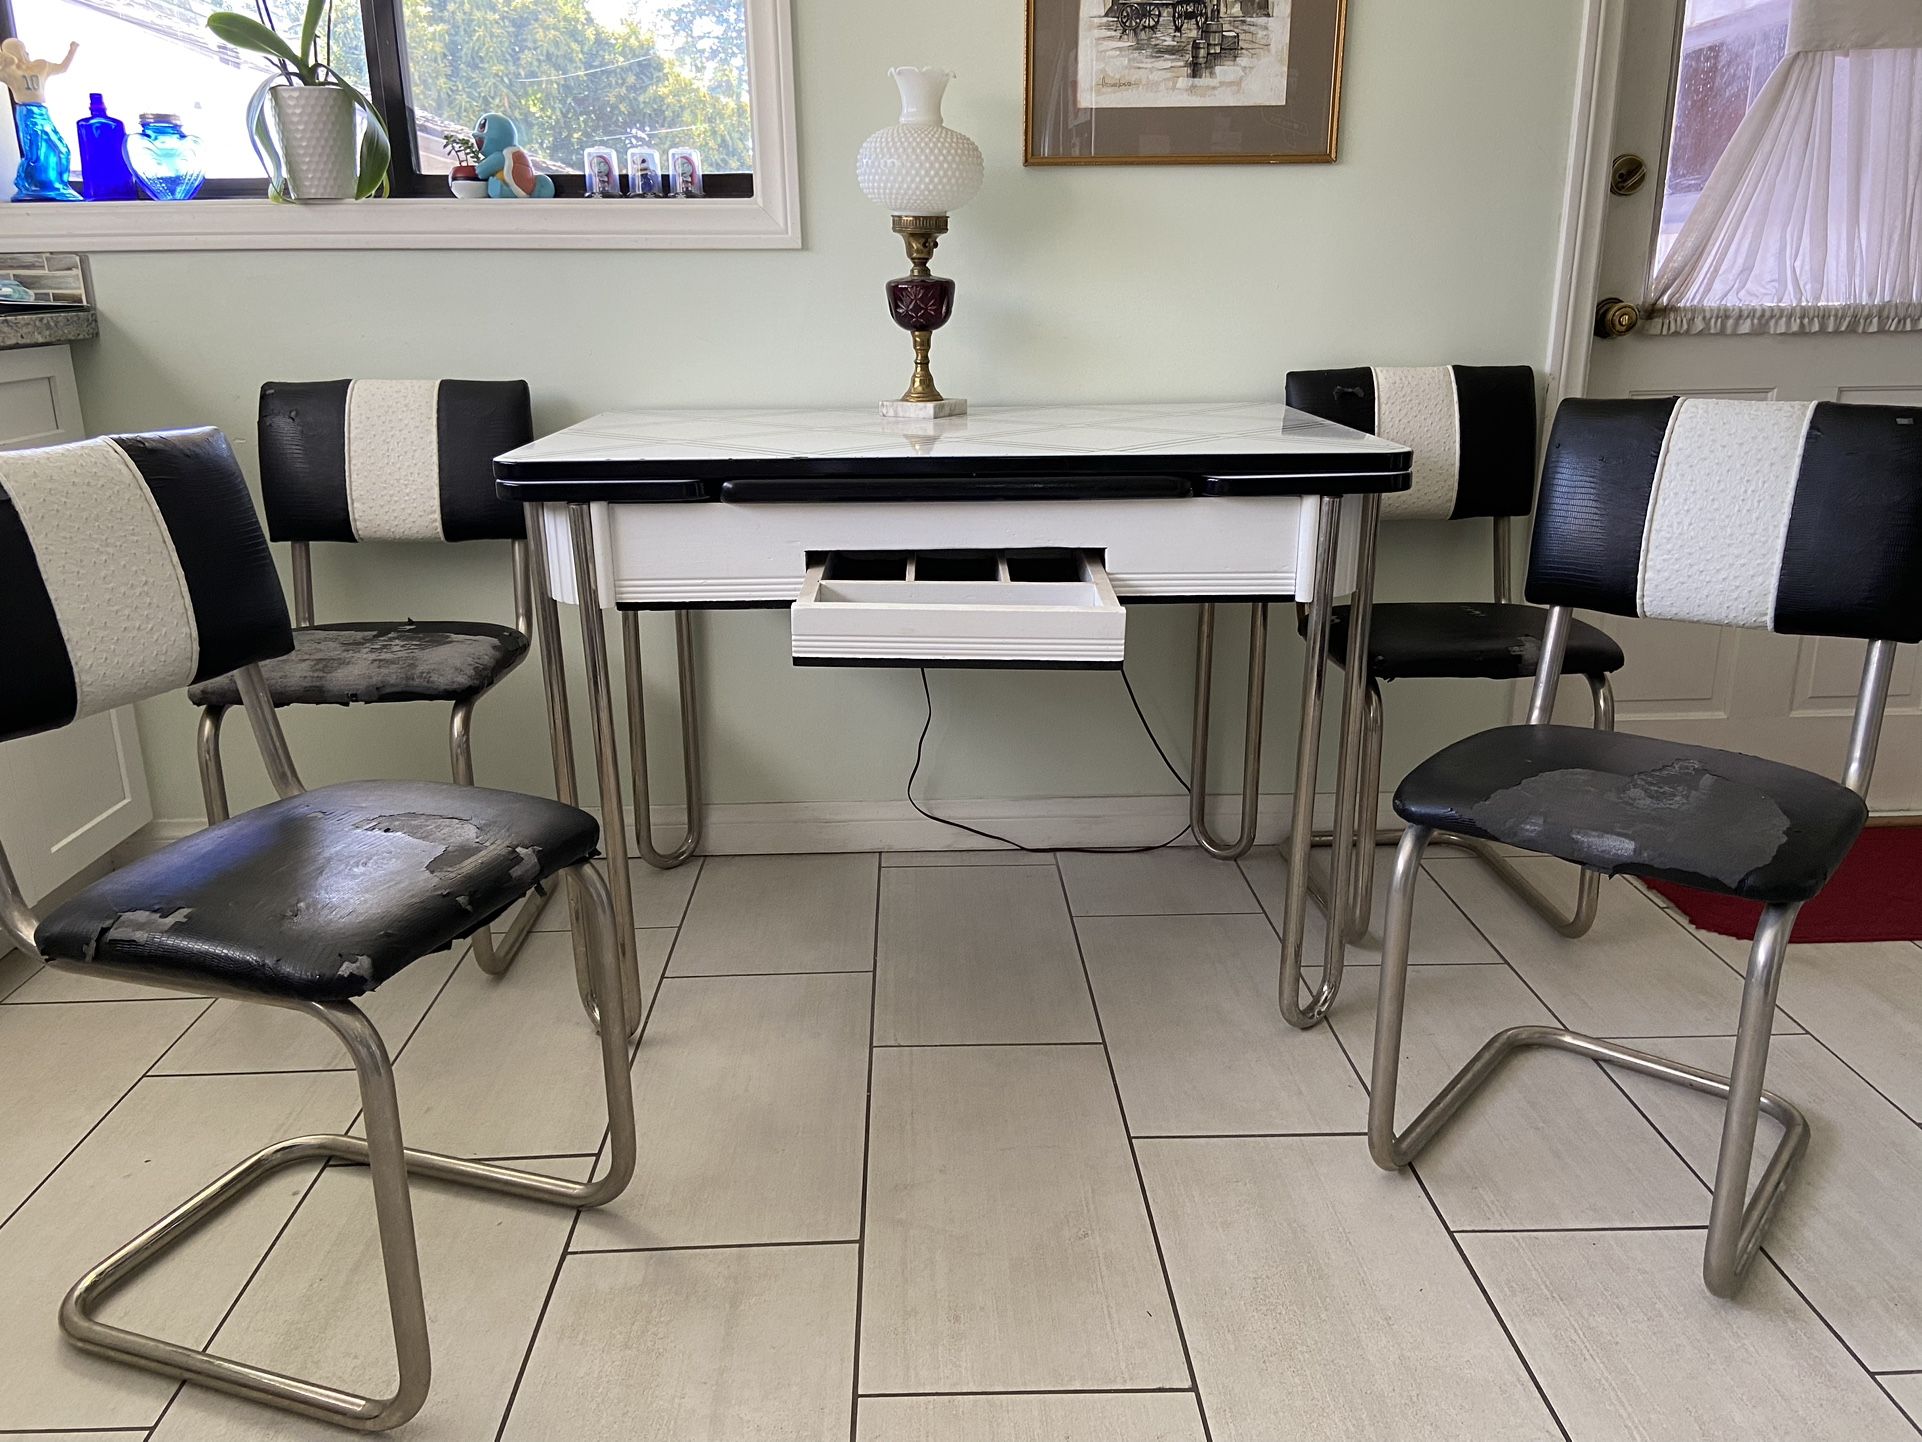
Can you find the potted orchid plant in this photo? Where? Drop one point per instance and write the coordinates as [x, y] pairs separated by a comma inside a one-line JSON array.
[[309, 148]]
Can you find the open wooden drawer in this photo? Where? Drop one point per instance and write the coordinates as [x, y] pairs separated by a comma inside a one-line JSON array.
[[957, 608]]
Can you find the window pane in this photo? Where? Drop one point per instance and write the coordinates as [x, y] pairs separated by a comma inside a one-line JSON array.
[[158, 55], [1729, 50], [575, 73]]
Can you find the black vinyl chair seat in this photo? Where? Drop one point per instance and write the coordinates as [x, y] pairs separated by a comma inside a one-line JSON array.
[[1638, 806], [1458, 640], [344, 663], [325, 895]]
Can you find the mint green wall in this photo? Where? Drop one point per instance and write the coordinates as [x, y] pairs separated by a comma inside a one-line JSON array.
[[1433, 239]]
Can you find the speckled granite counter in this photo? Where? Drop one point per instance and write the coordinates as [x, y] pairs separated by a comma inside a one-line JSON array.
[[47, 327]]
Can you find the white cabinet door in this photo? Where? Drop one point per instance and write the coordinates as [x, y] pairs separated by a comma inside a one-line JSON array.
[[68, 798]]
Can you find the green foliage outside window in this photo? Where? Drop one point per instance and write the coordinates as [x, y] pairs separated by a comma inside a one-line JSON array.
[[569, 81]]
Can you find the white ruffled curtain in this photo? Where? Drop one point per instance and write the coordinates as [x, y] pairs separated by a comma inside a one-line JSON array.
[[1812, 218]]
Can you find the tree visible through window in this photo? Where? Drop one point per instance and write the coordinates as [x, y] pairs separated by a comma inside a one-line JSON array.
[[571, 73]]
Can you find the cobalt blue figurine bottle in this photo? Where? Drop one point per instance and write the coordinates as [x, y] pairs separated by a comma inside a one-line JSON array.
[[44, 157], [104, 172]]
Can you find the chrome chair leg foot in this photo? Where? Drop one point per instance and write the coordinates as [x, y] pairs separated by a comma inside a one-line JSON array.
[[1251, 743], [1736, 1220], [391, 1163]]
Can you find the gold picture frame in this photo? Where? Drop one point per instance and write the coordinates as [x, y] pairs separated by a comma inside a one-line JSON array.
[[1183, 82]]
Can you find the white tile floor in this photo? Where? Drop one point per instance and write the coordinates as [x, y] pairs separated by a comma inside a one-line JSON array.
[[1009, 1149]]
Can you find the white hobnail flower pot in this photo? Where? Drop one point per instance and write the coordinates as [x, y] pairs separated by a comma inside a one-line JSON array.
[[919, 166], [317, 140]]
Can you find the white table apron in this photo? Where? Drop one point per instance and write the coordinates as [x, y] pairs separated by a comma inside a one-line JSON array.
[[684, 554]]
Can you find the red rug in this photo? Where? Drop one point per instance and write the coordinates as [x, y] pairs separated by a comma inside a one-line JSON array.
[[1876, 896]]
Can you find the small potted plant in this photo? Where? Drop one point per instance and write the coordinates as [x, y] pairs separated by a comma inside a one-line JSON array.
[[464, 180], [309, 150]]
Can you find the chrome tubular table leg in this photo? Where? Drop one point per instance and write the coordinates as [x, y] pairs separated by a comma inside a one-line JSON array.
[[637, 741], [1307, 765], [546, 618], [213, 776], [1735, 1226], [1251, 741], [391, 1163], [607, 758]]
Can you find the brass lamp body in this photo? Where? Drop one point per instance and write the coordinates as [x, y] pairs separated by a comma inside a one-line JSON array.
[[921, 302]]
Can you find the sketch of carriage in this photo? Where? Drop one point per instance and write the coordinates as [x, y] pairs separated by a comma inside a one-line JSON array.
[[1139, 20]]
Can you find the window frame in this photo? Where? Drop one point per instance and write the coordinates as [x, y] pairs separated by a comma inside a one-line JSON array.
[[760, 211]]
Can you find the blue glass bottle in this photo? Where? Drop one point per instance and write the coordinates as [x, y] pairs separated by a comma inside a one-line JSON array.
[[165, 158], [44, 157], [104, 172]]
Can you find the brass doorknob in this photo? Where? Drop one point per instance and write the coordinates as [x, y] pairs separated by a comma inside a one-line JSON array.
[[1616, 317]]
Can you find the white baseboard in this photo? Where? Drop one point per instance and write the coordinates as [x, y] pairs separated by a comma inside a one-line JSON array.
[[765, 828]]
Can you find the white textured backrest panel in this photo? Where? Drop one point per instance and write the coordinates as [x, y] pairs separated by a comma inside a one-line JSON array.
[[393, 460], [1718, 516], [110, 569], [1416, 406]]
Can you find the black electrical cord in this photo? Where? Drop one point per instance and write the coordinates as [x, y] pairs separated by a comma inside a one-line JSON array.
[[920, 745]]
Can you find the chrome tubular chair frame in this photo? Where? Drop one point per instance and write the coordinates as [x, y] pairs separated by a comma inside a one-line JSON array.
[[1358, 911], [389, 1161], [1736, 1219], [213, 780]]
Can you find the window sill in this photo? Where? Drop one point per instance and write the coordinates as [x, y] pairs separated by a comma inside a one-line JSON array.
[[764, 222]]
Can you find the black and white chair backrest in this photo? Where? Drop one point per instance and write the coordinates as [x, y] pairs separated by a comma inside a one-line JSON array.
[[390, 460], [1798, 517], [1472, 429], [130, 566]]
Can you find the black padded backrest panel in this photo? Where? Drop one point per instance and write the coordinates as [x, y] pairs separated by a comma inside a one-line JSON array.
[[390, 460], [129, 566], [1799, 517], [1472, 429]]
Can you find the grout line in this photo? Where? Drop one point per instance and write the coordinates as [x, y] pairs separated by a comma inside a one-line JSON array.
[[1883, 1384], [67, 1155], [953, 1045], [1235, 1136], [718, 975], [1453, 1240], [714, 1246], [1049, 1391], [1134, 1157], [1556, 1231], [867, 1145], [1489, 1300], [567, 1243], [138, 996]]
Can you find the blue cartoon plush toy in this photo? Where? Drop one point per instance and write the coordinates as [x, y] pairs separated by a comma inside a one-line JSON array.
[[507, 169]]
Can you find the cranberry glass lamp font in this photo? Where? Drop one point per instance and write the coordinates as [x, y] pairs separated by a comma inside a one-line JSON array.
[[920, 170]]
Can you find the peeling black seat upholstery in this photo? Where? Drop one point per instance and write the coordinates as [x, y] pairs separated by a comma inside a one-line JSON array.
[[1463, 639], [325, 895], [1638, 806], [348, 662]]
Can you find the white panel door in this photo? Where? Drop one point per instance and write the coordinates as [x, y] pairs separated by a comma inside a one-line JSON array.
[[69, 798], [1688, 69]]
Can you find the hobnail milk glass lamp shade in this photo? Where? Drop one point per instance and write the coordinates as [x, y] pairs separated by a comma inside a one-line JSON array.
[[919, 166]]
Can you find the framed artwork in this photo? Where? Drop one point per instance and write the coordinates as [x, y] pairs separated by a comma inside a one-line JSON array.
[[1183, 82]]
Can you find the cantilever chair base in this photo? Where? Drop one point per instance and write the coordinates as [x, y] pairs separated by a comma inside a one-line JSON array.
[[1735, 1227], [391, 1164]]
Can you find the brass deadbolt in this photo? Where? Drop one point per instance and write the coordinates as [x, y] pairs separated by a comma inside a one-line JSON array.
[[1627, 174], [1616, 317]]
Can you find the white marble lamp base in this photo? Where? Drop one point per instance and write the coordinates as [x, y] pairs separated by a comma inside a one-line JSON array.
[[922, 410]]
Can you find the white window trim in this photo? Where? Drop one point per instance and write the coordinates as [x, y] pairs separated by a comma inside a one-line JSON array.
[[770, 220]]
